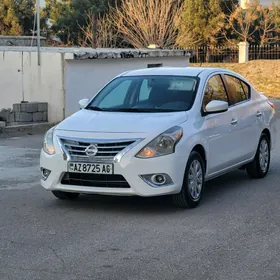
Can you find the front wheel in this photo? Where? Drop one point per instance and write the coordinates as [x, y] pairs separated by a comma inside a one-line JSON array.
[[260, 166], [193, 186], [65, 195]]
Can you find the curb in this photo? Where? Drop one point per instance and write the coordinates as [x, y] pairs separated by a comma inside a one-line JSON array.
[[22, 130]]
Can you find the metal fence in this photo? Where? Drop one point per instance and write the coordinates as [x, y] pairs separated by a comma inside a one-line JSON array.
[[257, 52], [214, 55], [231, 54]]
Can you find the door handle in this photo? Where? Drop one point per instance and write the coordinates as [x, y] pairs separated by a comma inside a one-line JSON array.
[[259, 114], [234, 122]]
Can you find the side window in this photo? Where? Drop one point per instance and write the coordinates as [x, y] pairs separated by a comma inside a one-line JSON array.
[[215, 90], [246, 89], [144, 91], [236, 90], [117, 96]]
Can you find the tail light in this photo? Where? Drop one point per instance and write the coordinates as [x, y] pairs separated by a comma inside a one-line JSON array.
[[271, 104]]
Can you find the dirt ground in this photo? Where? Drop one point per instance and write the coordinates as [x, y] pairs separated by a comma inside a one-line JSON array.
[[263, 74]]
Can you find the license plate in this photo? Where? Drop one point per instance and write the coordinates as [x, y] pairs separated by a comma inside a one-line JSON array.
[[90, 168]]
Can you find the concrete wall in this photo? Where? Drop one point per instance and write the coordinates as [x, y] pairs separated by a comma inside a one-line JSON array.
[[62, 81], [23, 80], [84, 78]]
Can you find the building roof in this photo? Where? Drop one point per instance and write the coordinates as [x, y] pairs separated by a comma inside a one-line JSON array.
[[89, 53]]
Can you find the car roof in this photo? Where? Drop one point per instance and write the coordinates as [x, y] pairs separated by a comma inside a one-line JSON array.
[[174, 71]]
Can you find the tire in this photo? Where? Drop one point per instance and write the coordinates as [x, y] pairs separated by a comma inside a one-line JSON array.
[[188, 198], [65, 195], [260, 166]]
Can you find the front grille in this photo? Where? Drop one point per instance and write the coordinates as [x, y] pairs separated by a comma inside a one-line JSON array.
[[95, 180], [107, 150]]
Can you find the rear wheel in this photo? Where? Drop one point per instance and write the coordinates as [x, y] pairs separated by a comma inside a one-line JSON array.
[[65, 195], [193, 186], [260, 166]]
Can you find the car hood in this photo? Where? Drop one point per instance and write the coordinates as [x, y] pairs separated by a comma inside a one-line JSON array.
[[115, 122]]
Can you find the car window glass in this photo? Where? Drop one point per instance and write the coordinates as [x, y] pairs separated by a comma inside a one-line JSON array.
[[235, 90], [246, 90], [147, 94], [144, 91], [215, 90], [117, 95]]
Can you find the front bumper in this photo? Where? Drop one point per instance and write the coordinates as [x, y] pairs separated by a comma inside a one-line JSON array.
[[130, 167]]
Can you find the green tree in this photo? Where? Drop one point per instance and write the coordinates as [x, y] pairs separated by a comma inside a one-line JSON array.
[[200, 23], [16, 17], [229, 5], [68, 16]]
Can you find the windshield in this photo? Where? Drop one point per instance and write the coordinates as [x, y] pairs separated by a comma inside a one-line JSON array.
[[146, 94]]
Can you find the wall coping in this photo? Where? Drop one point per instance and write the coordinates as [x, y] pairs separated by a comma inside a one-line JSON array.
[[89, 53]]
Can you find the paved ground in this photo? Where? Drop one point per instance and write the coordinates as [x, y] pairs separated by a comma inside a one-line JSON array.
[[234, 234]]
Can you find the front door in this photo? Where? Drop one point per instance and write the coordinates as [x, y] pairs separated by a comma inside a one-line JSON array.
[[217, 129]]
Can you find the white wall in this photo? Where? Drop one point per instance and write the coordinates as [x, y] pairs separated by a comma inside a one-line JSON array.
[[10, 79], [84, 78], [60, 80], [22, 79]]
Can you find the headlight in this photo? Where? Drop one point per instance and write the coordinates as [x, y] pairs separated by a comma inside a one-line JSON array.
[[48, 145], [162, 145]]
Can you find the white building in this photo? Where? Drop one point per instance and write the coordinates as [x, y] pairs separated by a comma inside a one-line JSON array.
[[67, 75]]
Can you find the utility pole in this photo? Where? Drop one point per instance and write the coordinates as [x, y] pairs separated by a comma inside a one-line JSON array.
[[38, 31], [94, 31]]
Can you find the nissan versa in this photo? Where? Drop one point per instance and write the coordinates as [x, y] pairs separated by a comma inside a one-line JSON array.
[[160, 131]]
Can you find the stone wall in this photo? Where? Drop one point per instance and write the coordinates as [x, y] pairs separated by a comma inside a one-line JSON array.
[[25, 113]]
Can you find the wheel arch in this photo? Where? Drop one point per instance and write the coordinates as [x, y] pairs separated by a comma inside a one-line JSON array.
[[268, 134], [201, 150]]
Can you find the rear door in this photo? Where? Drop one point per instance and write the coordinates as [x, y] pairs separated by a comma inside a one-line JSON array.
[[245, 129]]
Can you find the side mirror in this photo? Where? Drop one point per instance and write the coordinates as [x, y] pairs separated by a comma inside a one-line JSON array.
[[83, 103], [216, 106]]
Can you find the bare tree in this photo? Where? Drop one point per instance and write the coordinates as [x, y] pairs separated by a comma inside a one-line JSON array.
[[242, 22], [99, 32], [269, 25], [145, 22]]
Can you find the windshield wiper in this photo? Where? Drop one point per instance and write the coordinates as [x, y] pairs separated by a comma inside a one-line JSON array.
[[142, 110], [94, 108], [132, 110], [136, 110]]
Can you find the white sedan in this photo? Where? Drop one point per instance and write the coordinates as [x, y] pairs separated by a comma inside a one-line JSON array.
[[161, 131]]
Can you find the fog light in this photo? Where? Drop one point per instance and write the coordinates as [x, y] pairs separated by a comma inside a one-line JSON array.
[[45, 173], [157, 180]]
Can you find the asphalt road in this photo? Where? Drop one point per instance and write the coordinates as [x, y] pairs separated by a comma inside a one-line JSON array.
[[234, 234]]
